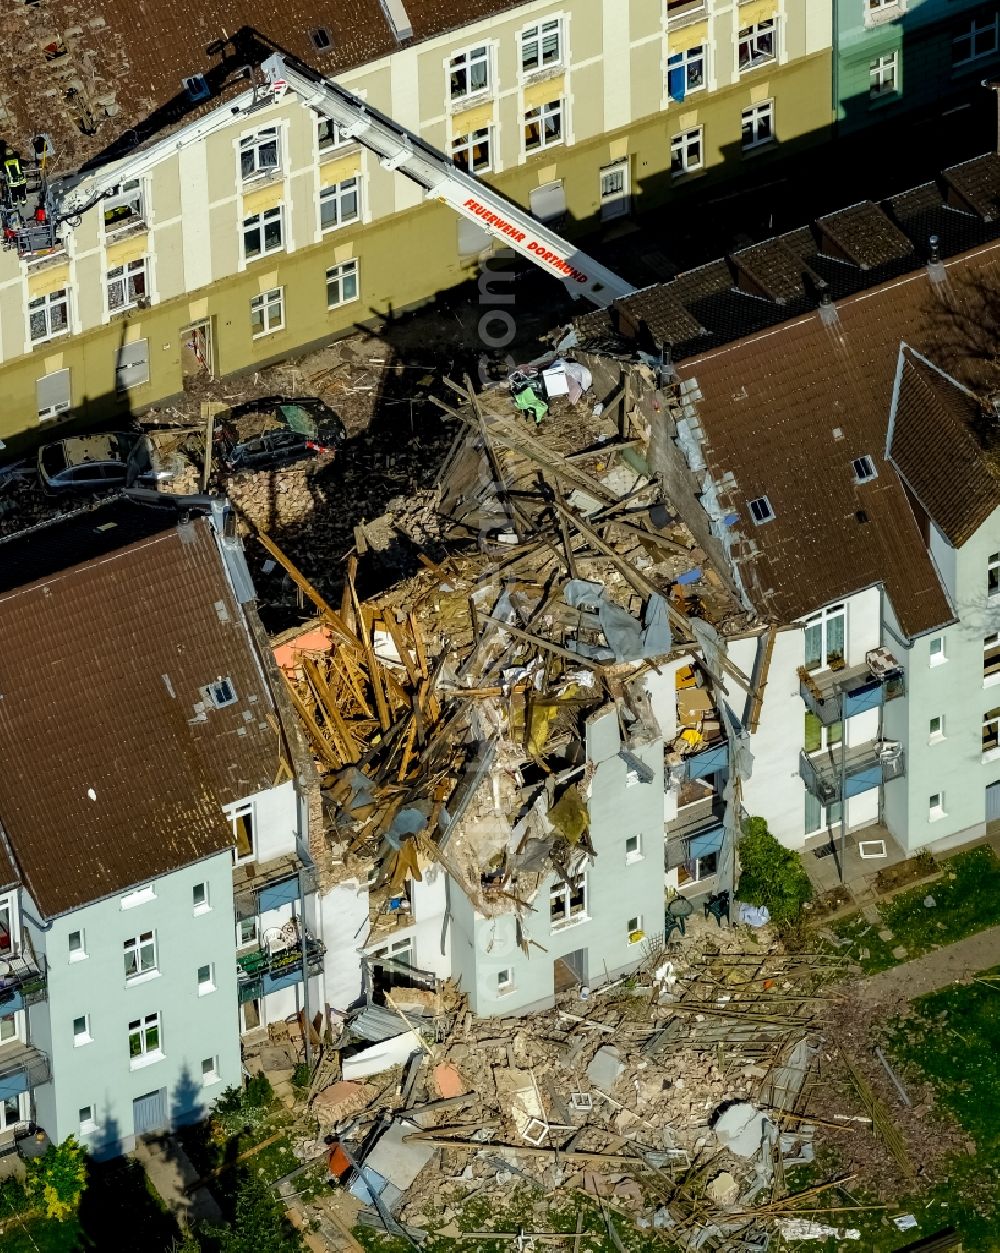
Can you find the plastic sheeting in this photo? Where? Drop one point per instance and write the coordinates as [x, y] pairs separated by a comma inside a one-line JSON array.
[[628, 639]]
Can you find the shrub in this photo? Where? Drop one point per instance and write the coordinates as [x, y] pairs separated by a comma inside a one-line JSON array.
[[301, 1076], [259, 1223], [57, 1179], [771, 874]]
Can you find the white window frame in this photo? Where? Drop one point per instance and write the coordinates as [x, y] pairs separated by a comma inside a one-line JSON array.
[[687, 148], [211, 1076], [266, 303], [560, 894], [335, 277], [991, 663], [883, 76], [935, 807], [616, 196], [234, 814], [45, 307], [939, 656], [140, 1029], [80, 954], [753, 115], [339, 195], [138, 896], [752, 36], [864, 469], [764, 509], [635, 854], [203, 906], [338, 140], [634, 927], [505, 981], [122, 280], [823, 620], [936, 735], [534, 37], [141, 949], [88, 1123], [241, 941], [256, 145], [393, 951], [688, 59], [51, 412], [80, 1038], [131, 194], [8, 906], [478, 54], [973, 34], [464, 146], [259, 225], [539, 115], [206, 986], [991, 725], [15, 1019], [993, 576]]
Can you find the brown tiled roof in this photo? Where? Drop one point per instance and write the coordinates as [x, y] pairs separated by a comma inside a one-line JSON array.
[[934, 446], [786, 412], [112, 620], [118, 63], [863, 235]]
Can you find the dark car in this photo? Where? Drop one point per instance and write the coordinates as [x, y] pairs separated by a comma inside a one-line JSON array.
[[277, 430], [94, 463]]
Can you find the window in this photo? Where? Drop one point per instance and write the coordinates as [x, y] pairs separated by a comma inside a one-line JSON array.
[[871, 5], [48, 316], [935, 806], [541, 46], [817, 737], [75, 944], [882, 76], [52, 395], [543, 126], [757, 125], [140, 955], [993, 575], [634, 931], [247, 931], [340, 204], [757, 44], [321, 40], [821, 817], [6, 925], [991, 659], [242, 823], [197, 87], [8, 1027], [399, 951], [200, 899], [824, 638], [139, 897], [760, 510], [262, 233], [505, 981], [220, 693], [471, 152], [935, 650], [209, 1071], [330, 134], [206, 979], [685, 72], [88, 1123], [615, 191], [144, 1040], [864, 469], [633, 848], [81, 1030], [991, 731], [980, 40], [568, 902], [267, 312], [132, 365], [935, 729], [686, 151], [126, 285], [341, 284], [469, 72], [259, 154], [126, 208]]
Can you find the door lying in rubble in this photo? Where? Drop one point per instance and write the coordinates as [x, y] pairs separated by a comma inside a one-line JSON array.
[[196, 353], [570, 971]]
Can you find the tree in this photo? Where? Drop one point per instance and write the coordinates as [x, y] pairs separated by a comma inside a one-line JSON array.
[[771, 874], [259, 1223], [57, 1178]]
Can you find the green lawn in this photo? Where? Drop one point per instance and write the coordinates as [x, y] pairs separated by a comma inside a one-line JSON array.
[[967, 897]]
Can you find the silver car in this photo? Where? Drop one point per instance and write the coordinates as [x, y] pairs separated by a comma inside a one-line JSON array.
[[93, 463]]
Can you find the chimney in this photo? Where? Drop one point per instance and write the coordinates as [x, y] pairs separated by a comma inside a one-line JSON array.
[[827, 309], [933, 255], [935, 269]]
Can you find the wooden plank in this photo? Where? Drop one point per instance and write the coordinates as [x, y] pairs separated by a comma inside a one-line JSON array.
[[304, 586], [374, 674], [396, 635], [418, 641], [306, 714], [351, 752], [537, 640], [760, 678]]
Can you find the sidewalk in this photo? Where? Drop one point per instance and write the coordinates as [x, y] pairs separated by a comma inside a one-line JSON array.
[[953, 964], [170, 1171]]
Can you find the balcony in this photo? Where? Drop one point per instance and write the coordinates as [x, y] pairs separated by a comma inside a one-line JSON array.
[[705, 762], [697, 831], [262, 886], [864, 766], [833, 695], [22, 1067], [277, 964], [22, 981]]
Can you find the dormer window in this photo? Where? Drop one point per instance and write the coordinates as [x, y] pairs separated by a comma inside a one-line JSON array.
[[220, 693], [761, 511]]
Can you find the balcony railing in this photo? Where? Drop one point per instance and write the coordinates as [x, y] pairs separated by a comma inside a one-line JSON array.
[[22, 1067], [22, 981], [835, 694], [269, 969], [864, 766], [710, 759]]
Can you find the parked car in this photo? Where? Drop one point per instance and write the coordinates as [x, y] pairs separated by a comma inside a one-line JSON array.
[[94, 463], [276, 430]]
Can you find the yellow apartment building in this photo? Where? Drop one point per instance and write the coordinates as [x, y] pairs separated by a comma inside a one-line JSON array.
[[252, 228]]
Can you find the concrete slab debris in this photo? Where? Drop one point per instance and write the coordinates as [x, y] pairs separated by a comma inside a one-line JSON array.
[[741, 1128], [605, 1068]]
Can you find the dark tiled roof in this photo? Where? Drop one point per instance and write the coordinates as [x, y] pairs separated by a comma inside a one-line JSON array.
[[110, 776], [863, 235], [976, 185], [786, 412], [934, 446], [774, 271], [113, 64]]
